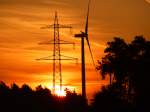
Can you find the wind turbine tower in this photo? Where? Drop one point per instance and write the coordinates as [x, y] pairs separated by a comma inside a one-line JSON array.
[[82, 36]]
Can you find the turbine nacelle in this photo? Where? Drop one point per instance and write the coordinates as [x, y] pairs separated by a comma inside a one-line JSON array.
[[82, 34]]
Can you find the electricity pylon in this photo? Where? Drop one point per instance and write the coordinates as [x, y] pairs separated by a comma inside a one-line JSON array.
[[84, 35], [57, 57]]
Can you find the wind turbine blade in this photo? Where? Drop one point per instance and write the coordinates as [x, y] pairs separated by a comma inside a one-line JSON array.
[[86, 33], [87, 19], [90, 51]]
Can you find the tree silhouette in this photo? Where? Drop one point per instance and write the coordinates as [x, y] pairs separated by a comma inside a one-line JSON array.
[[110, 99], [24, 99], [73, 102], [129, 64], [114, 61]]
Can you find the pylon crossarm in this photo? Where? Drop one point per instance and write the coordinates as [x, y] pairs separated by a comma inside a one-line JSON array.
[[63, 58], [47, 26], [69, 58], [47, 42], [67, 42], [60, 42], [56, 59], [45, 58], [55, 43], [56, 26]]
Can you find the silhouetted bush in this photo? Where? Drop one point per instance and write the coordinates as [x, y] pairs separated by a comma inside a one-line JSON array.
[[24, 99], [110, 99]]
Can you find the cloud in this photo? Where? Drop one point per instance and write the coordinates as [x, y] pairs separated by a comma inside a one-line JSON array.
[[147, 1]]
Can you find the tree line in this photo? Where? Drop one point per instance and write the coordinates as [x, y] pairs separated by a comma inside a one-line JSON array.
[[25, 99]]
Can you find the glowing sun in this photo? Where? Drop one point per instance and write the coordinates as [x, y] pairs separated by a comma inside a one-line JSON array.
[[60, 92]]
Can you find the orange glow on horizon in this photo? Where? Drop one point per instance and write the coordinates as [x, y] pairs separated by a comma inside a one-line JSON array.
[[62, 92]]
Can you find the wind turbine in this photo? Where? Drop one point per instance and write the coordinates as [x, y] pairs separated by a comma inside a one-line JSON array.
[[84, 35]]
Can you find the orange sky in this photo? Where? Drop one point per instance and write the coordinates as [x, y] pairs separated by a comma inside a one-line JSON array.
[[20, 22]]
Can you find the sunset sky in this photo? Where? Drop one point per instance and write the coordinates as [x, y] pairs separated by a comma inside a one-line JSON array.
[[20, 33]]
